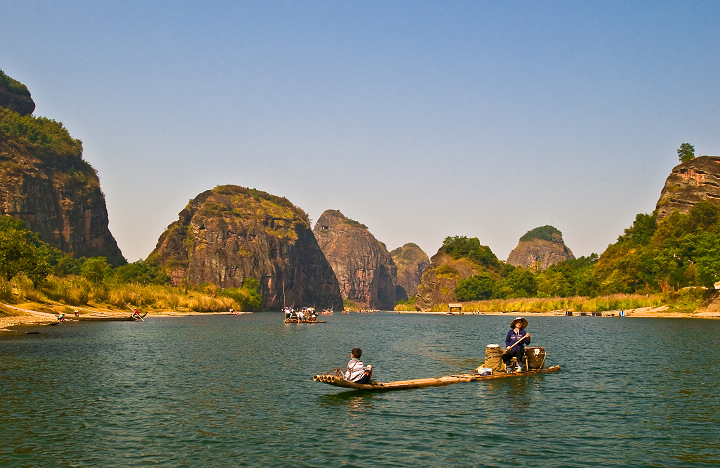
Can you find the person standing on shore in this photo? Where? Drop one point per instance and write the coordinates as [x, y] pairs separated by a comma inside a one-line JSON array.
[[515, 342]]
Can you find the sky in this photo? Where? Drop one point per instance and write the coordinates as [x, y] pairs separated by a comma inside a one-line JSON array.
[[419, 119]]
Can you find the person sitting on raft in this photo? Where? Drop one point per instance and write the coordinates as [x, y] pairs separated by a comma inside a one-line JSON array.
[[356, 371], [515, 342]]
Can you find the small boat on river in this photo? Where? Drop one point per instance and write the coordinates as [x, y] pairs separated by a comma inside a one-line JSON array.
[[338, 381], [305, 315]]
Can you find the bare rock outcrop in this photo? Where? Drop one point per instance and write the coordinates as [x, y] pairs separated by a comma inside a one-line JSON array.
[[540, 248], [45, 182], [689, 183], [410, 261], [363, 266], [230, 233]]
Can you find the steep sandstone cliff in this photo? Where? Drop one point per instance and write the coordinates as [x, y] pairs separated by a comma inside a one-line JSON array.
[[362, 264], [540, 248], [231, 233], [410, 261], [689, 183], [45, 182]]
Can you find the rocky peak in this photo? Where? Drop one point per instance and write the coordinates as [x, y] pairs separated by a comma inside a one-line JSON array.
[[540, 248], [230, 233], [363, 266], [45, 182], [689, 183], [15, 96], [410, 261]]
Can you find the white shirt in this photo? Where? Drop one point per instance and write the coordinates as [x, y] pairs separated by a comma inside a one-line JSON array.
[[355, 370]]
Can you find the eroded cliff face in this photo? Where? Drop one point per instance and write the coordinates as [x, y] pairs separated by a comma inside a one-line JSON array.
[[363, 266], [689, 183], [539, 254], [231, 233], [410, 261], [45, 182], [440, 279]]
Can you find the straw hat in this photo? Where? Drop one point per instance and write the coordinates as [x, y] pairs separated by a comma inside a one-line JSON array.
[[523, 324]]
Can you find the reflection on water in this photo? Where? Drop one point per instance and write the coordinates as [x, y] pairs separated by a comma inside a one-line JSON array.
[[238, 390]]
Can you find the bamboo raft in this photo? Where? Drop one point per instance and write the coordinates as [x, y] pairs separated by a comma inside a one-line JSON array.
[[304, 321], [338, 381]]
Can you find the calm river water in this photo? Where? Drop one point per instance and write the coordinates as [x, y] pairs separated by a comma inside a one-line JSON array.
[[223, 390]]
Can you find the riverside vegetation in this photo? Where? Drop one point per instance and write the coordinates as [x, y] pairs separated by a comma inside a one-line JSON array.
[[32, 271], [673, 262]]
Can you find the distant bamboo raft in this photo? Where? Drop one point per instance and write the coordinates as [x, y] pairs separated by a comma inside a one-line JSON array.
[[332, 379]]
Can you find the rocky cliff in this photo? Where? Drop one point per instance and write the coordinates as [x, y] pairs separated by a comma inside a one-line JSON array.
[[440, 279], [45, 182], [540, 248], [410, 261], [361, 263], [15, 96], [689, 183], [231, 233]]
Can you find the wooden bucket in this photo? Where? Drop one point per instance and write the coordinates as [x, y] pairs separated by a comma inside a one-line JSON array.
[[535, 357], [493, 357]]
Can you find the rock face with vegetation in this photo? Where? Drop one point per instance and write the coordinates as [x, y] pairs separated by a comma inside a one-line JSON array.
[[230, 234], [691, 182], [410, 261], [45, 182], [458, 259], [362, 264], [15, 96], [540, 248]]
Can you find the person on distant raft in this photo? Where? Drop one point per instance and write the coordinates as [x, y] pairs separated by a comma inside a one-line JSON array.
[[515, 342], [356, 370]]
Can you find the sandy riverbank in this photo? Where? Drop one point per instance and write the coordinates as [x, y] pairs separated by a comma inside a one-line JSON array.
[[33, 315]]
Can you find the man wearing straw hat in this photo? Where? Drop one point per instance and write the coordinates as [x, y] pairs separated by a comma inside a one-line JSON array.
[[515, 342]]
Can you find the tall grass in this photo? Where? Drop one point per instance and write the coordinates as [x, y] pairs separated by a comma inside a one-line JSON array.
[[78, 291], [577, 303]]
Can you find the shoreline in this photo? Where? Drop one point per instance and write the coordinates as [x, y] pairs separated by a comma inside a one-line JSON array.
[[23, 316]]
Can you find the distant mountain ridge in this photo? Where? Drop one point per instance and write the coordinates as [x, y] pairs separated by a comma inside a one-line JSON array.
[[411, 261]]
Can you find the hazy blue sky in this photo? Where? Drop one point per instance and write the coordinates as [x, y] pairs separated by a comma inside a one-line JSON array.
[[421, 120]]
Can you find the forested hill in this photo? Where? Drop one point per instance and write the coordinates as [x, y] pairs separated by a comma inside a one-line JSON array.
[[45, 182]]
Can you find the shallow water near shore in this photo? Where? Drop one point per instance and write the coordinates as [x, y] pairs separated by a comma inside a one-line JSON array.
[[224, 390]]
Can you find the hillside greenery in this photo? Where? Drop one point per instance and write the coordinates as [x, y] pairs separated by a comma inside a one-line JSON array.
[[547, 233], [677, 257], [13, 85], [48, 136], [31, 270]]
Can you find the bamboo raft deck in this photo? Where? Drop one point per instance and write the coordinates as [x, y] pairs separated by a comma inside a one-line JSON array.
[[427, 382]]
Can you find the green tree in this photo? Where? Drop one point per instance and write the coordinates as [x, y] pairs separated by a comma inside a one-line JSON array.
[[686, 152], [475, 288], [95, 269], [20, 251], [142, 272]]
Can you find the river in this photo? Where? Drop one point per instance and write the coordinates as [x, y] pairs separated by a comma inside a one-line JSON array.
[[237, 390]]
